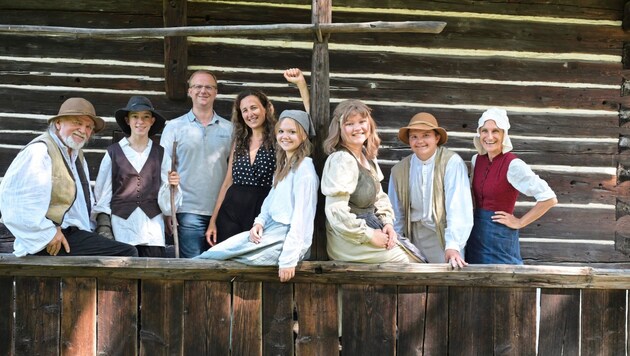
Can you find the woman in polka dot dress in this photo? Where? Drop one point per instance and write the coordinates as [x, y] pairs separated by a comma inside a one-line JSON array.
[[252, 162]]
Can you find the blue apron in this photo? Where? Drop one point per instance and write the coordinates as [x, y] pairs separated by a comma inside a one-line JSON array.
[[491, 242]]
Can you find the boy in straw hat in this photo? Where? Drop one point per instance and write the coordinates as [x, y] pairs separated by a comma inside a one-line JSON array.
[[133, 183], [45, 195], [430, 193]]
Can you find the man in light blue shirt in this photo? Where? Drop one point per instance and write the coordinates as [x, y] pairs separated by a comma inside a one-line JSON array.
[[203, 147]]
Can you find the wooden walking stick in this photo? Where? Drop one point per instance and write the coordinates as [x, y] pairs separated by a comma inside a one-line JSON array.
[[173, 208]]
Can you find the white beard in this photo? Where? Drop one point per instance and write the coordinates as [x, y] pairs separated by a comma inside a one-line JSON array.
[[72, 144]]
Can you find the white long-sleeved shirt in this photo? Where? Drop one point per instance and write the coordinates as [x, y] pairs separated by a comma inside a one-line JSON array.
[[25, 194], [293, 202], [138, 228], [458, 200]]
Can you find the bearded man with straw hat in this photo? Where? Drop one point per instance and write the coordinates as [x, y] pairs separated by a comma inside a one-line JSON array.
[[45, 195]]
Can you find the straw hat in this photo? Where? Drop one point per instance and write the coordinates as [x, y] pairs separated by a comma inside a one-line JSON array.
[[79, 107], [422, 121]]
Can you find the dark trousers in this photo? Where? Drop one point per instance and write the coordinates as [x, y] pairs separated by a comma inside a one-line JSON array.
[[87, 243], [151, 251]]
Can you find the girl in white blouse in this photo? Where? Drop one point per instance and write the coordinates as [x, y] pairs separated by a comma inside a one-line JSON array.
[[359, 215], [283, 231]]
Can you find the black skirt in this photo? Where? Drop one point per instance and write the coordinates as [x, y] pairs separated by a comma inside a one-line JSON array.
[[239, 209]]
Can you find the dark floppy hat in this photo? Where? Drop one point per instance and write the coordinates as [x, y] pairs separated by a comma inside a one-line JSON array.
[[79, 107], [139, 103], [422, 121]]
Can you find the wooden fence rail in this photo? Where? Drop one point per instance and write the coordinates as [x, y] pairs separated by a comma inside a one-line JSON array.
[[130, 306]]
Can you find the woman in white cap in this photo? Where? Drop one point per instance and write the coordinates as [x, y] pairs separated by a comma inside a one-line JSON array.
[[133, 183], [283, 231], [359, 215], [498, 178]]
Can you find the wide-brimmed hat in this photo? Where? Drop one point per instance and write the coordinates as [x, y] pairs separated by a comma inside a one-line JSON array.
[[136, 104], [499, 116], [422, 121], [79, 107], [302, 118]]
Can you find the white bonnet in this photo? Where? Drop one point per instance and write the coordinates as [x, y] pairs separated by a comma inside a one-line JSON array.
[[499, 116]]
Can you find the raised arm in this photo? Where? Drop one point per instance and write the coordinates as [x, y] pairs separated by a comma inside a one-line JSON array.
[[295, 76]]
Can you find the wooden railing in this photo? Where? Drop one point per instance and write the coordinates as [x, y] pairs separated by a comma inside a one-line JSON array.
[[129, 306]]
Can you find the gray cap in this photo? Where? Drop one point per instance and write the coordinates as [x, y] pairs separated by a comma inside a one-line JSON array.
[[302, 118]]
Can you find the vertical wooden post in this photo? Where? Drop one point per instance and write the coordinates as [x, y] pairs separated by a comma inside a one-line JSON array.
[[175, 51], [320, 112]]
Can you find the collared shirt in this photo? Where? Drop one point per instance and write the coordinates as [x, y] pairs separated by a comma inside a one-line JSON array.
[[293, 202], [25, 193], [458, 200], [521, 176], [138, 228], [202, 159]]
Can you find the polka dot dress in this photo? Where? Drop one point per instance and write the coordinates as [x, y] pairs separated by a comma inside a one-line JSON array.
[[260, 174]]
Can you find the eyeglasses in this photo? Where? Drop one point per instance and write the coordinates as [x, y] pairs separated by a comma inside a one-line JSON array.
[[198, 87]]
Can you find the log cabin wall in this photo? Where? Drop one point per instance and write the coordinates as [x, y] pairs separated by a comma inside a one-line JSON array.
[[559, 68]]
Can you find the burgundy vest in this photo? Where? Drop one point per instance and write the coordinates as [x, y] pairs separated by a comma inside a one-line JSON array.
[[491, 188], [131, 189]]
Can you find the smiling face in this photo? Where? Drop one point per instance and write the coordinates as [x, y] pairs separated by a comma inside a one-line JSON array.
[[74, 131], [355, 131], [423, 143], [140, 122], [289, 135], [253, 112], [491, 138], [202, 89]]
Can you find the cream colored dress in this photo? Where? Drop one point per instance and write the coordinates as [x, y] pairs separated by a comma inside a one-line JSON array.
[[351, 189]]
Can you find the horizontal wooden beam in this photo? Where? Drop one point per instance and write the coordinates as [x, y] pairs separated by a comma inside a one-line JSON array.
[[325, 272], [377, 26]]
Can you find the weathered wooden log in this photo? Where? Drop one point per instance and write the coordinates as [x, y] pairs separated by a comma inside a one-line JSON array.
[[375, 26], [318, 272]]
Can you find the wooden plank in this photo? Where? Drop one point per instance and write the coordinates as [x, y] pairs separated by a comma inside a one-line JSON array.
[[37, 316], [277, 318], [559, 322], [421, 65], [151, 51], [368, 319], [175, 50], [246, 320], [589, 9], [141, 7], [560, 253], [436, 331], [492, 33], [91, 19], [571, 224], [320, 112], [78, 321], [161, 317], [515, 321], [207, 306], [317, 312], [471, 331], [117, 332], [412, 321], [603, 322], [7, 309], [325, 272]]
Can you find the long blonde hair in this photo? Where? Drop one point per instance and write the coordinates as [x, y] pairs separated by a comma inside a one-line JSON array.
[[345, 109], [283, 164]]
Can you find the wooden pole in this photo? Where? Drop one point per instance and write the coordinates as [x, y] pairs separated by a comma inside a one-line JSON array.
[[325, 28], [173, 208], [320, 112], [175, 51]]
